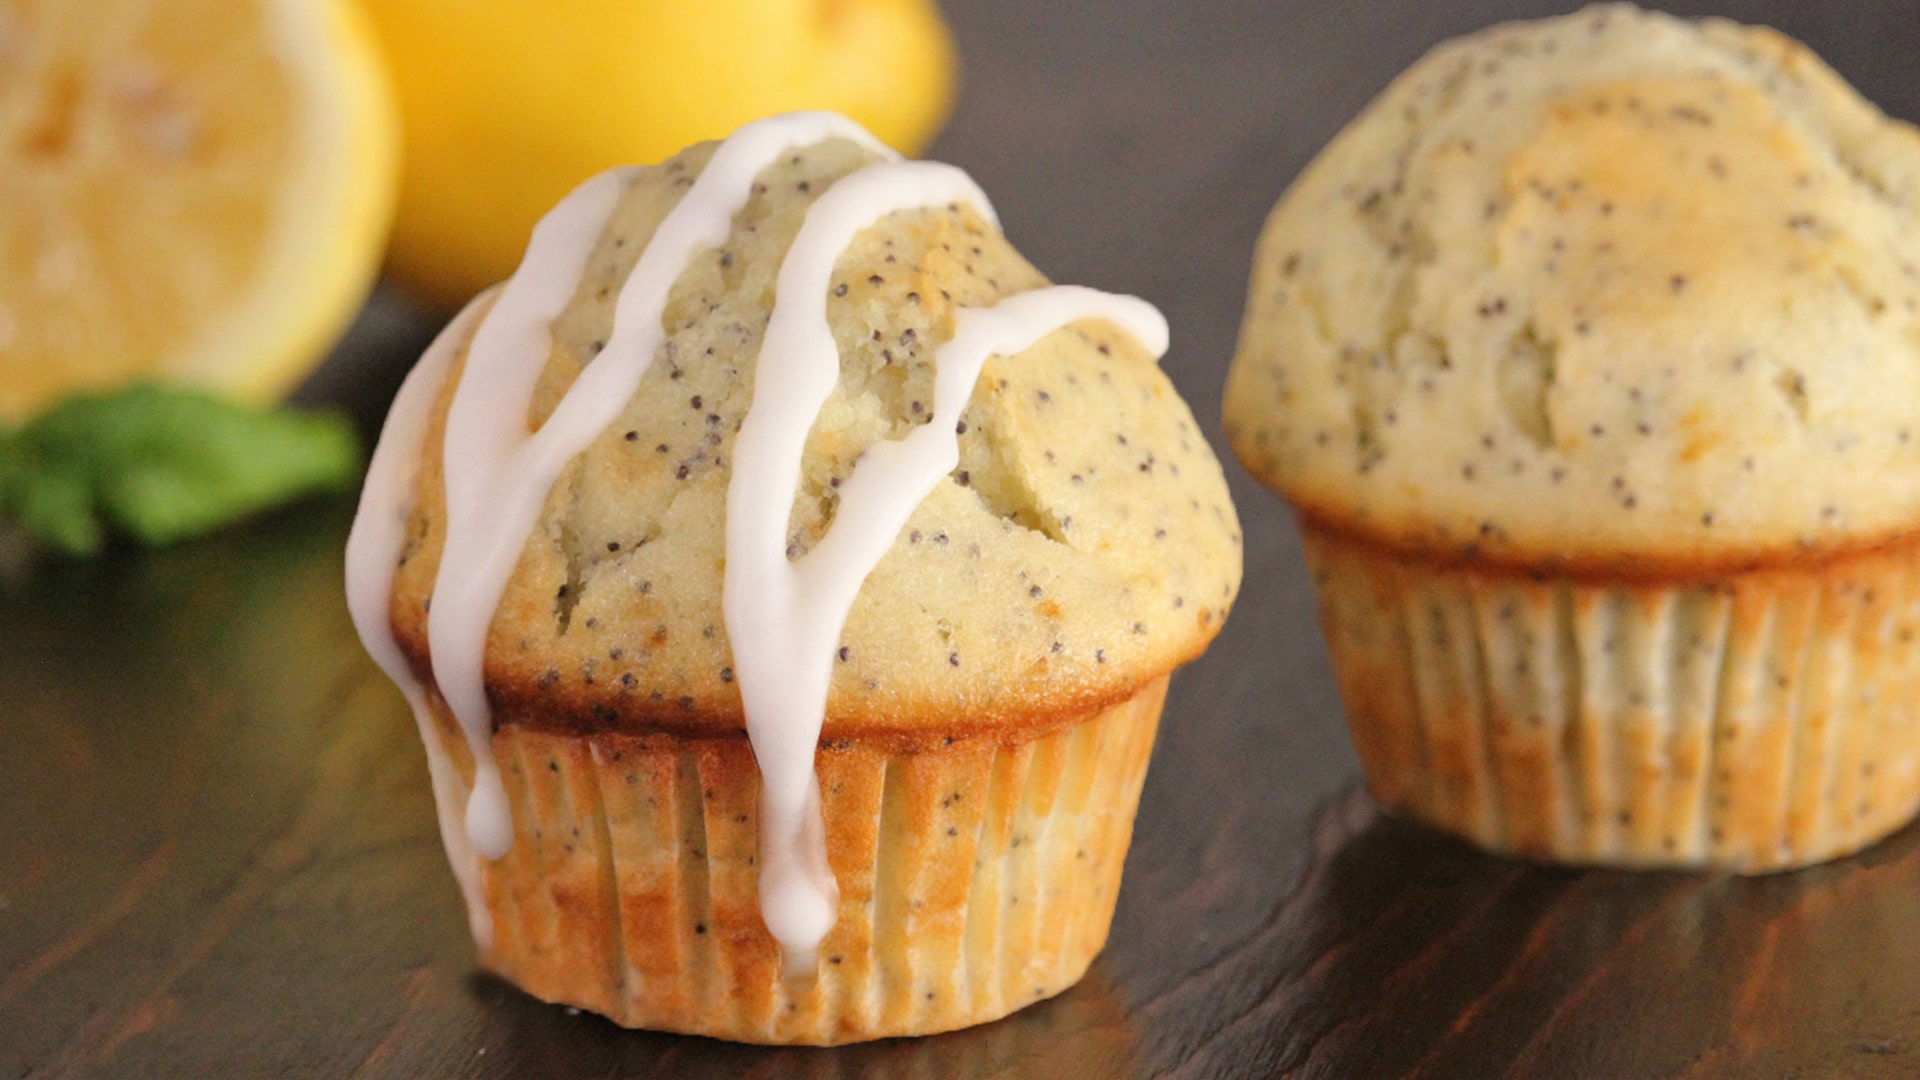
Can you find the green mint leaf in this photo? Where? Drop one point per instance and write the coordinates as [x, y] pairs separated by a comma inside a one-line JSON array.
[[162, 464], [56, 509]]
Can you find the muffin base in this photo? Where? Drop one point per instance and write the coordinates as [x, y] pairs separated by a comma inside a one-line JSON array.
[[976, 876], [1754, 721]]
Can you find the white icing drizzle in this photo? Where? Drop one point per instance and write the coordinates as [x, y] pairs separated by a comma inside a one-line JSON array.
[[374, 545], [783, 617], [494, 485], [497, 474]]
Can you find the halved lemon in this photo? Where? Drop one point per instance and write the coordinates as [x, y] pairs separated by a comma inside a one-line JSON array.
[[194, 191]]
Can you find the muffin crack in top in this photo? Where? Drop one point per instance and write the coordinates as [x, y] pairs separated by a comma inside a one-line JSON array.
[[1084, 544], [1662, 270]]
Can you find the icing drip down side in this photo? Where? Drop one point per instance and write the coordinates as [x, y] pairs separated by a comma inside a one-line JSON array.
[[374, 545], [497, 474], [495, 480], [784, 616]]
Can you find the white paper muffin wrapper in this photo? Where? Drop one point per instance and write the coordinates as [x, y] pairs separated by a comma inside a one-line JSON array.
[[1754, 721], [975, 877]]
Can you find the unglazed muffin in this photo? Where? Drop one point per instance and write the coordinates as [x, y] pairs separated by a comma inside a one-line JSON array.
[[992, 699], [1588, 356]]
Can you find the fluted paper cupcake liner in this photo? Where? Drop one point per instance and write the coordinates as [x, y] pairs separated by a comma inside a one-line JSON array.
[[1754, 721], [975, 877]]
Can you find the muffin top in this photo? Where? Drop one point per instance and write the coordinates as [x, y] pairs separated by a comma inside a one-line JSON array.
[[1084, 544], [1613, 290]]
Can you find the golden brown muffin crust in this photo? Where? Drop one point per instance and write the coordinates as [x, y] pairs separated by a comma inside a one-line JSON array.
[[1608, 287], [1084, 546]]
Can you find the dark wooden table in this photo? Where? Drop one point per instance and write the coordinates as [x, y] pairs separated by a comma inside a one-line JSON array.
[[218, 854]]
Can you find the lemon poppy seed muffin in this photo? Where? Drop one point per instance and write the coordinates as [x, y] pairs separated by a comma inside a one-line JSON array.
[[1589, 355], [990, 703]]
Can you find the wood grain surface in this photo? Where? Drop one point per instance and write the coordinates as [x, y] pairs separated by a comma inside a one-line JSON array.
[[219, 854]]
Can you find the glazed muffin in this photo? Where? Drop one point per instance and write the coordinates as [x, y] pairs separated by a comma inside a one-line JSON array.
[[1588, 356], [947, 846]]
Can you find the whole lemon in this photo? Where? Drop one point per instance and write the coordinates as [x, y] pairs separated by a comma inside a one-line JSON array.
[[506, 105]]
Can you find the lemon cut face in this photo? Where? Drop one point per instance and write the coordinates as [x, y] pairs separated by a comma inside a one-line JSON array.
[[190, 190]]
